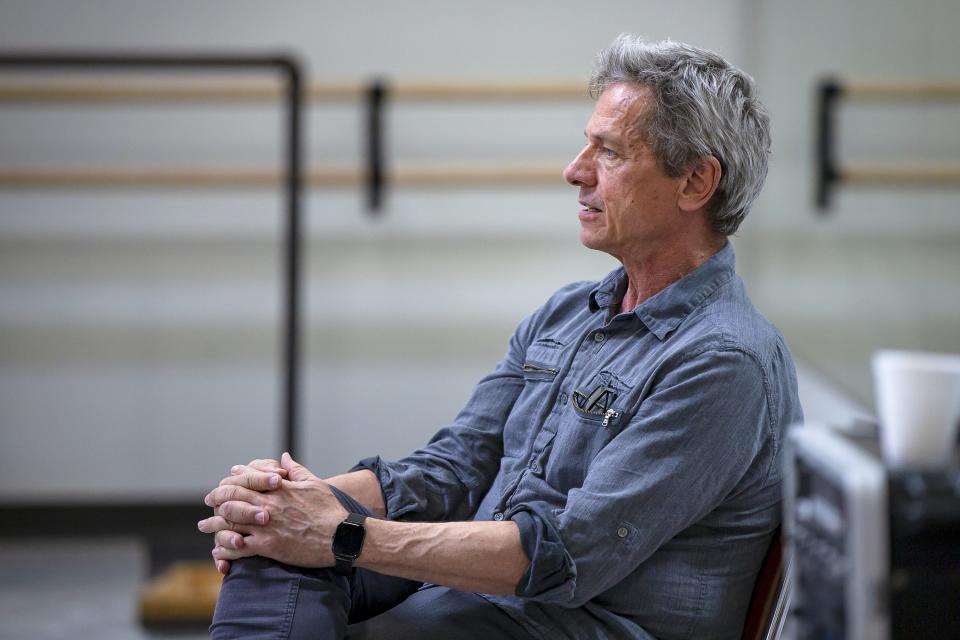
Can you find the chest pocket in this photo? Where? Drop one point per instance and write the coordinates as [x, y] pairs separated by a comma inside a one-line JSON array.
[[542, 360], [541, 364], [601, 397], [595, 413]]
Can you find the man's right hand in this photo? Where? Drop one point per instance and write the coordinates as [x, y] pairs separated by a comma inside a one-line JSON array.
[[255, 473], [291, 521]]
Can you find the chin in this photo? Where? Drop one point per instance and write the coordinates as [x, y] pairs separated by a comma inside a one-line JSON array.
[[591, 239], [598, 243]]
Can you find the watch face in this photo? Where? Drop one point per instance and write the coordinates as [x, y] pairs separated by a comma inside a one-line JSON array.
[[348, 540]]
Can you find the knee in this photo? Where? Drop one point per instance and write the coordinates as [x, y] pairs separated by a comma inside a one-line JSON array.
[[262, 598]]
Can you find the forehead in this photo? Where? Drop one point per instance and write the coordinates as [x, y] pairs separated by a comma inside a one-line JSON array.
[[619, 112]]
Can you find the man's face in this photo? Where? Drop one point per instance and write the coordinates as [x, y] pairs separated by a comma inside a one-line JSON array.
[[630, 204]]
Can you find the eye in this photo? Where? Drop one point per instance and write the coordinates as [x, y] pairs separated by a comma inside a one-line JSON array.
[[608, 152]]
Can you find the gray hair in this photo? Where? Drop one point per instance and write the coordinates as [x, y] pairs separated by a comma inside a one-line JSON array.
[[701, 106]]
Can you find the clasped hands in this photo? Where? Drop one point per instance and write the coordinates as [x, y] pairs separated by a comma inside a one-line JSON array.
[[279, 510]]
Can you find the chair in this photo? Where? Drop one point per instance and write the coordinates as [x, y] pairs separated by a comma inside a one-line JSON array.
[[770, 601]]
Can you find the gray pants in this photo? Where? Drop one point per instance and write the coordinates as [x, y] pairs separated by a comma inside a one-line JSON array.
[[264, 599]]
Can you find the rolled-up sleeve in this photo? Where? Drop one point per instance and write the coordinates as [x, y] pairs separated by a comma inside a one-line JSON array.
[[690, 442], [447, 479]]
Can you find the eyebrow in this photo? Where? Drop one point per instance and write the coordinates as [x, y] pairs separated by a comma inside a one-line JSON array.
[[605, 138]]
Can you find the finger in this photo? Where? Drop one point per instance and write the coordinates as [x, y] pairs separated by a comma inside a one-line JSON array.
[[222, 566], [222, 553], [295, 471], [228, 492], [217, 524], [242, 513], [261, 463], [229, 540], [240, 469], [255, 480], [268, 465]]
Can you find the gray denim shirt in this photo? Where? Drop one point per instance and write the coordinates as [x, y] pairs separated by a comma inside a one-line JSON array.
[[638, 452]]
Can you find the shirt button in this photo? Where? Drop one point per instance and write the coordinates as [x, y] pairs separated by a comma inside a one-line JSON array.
[[498, 516], [535, 467], [622, 532], [599, 336], [563, 398]]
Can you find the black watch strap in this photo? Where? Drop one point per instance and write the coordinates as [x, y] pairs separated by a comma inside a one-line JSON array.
[[348, 542], [343, 566]]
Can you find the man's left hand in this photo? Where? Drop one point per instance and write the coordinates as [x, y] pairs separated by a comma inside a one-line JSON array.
[[293, 523]]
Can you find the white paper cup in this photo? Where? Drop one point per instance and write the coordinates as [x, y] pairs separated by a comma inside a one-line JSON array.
[[918, 403]]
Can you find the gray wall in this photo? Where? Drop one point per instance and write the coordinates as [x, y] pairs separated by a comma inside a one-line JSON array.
[[883, 269], [138, 330]]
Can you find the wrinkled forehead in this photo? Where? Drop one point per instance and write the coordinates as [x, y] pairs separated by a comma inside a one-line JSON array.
[[620, 113]]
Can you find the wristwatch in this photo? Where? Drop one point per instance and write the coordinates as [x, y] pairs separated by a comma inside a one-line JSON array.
[[348, 542]]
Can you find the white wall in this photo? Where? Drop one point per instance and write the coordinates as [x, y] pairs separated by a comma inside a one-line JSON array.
[[138, 330]]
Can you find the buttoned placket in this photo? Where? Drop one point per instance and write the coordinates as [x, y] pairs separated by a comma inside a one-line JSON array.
[[589, 346]]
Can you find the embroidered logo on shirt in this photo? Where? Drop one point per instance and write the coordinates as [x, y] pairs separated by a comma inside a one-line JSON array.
[[597, 403]]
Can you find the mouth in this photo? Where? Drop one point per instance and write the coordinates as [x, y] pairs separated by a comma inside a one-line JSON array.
[[588, 208], [590, 215]]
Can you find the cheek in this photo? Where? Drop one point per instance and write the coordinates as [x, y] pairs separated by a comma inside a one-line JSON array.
[[614, 220]]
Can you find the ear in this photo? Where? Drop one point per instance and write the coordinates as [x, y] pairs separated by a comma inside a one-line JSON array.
[[699, 184]]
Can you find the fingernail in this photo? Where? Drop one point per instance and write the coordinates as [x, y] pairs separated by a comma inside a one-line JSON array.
[[261, 517], [274, 482], [235, 468], [200, 525]]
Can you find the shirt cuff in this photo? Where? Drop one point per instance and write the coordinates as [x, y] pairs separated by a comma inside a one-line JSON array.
[[398, 498], [551, 575]]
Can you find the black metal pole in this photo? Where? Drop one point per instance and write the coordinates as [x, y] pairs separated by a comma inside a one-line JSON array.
[[376, 169], [827, 173], [291, 402]]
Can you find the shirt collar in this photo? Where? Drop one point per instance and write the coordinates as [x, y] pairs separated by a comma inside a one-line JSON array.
[[664, 311]]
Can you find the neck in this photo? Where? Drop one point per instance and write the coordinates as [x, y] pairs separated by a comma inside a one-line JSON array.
[[651, 274]]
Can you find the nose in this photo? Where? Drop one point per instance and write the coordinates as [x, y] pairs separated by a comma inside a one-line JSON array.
[[579, 172]]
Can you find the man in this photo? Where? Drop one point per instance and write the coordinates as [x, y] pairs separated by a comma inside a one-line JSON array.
[[618, 474]]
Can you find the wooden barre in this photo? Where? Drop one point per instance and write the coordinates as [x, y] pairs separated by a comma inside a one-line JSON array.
[[900, 90], [412, 175], [509, 91], [220, 90], [945, 174], [225, 90]]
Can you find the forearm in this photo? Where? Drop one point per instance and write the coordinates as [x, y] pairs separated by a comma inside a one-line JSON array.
[[364, 487], [485, 557]]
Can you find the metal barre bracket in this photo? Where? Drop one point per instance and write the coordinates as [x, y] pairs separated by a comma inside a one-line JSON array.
[[376, 156], [829, 173]]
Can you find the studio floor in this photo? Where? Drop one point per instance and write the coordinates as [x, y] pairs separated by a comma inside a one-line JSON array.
[[75, 589]]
